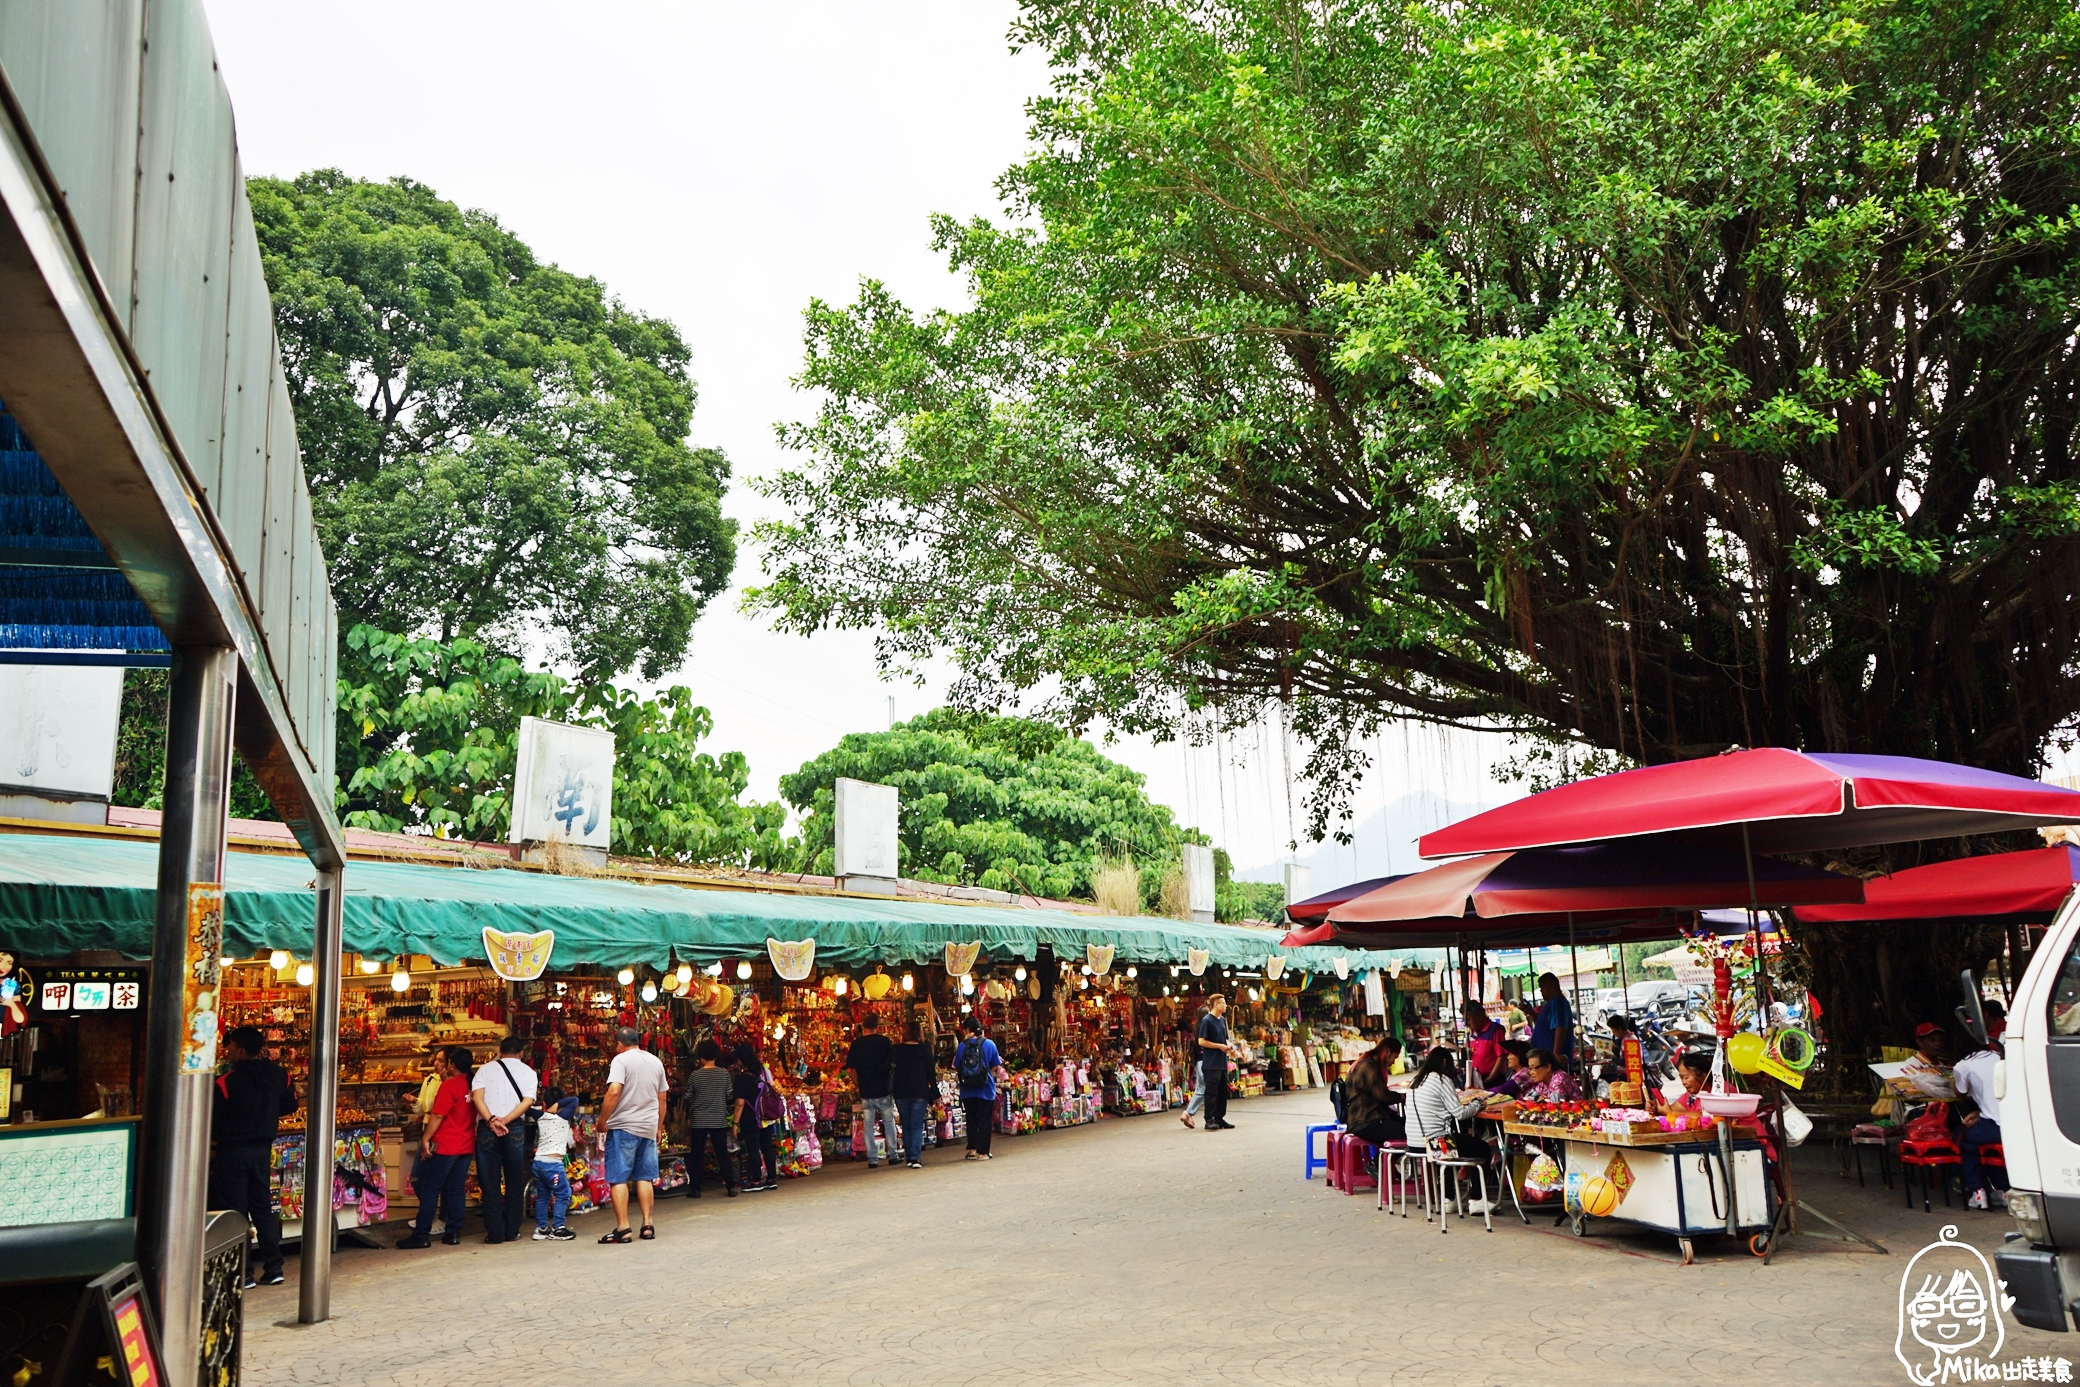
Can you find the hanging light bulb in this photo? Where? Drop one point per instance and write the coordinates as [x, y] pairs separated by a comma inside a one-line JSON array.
[[1173, 970], [226, 961], [400, 981], [965, 1008], [1083, 984], [1086, 970], [909, 983], [1132, 971], [713, 970], [304, 974], [967, 986], [1166, 991], [744, 971], [685, 974], [1019, 972], [838, 986], [1254, 995], [278, 960], [370, 965], [625, 976], [649, 991]]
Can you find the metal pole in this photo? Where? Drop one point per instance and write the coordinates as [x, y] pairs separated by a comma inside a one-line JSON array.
[[1574, 988], [314, 1277], [182, 1025]]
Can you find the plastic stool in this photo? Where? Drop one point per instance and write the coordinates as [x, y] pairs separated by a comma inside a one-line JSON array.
[[1311, 1163], [1354, 1152], [1933, 1159]]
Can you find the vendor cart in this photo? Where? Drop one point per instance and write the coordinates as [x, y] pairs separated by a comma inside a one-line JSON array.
[[1673, 1182]]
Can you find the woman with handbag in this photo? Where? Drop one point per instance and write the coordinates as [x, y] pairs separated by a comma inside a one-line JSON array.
[[1436, 1109], [755, 1098]]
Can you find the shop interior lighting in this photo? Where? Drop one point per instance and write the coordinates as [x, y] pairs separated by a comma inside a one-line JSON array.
[[370, 965], [304, 974], [1086, 970], [1133, 972], [278, 960], [1019, 972], [1083, 984], [226, 961], [967, 986], [713, 970], [649, 991], [685, 974], [909, 983], [744, 971], [1166, 992], [400, 981], [965, 1008], [625, 976], [1173, 970], [838, 987]]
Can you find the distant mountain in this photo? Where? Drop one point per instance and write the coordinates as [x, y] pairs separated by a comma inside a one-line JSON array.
[[1382, 843]]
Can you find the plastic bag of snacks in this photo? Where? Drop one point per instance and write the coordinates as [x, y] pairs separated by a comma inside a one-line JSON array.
[[1542, 1179]]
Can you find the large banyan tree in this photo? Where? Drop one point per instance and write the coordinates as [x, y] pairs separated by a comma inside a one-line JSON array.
[[1645, 378]]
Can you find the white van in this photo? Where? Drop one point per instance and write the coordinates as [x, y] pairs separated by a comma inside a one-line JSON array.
[[2037, 1084]]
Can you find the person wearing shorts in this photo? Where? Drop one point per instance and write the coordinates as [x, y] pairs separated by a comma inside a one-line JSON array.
[[633, 1117]]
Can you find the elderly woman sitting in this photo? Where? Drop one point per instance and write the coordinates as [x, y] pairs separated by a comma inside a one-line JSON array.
[[1548, 1083]]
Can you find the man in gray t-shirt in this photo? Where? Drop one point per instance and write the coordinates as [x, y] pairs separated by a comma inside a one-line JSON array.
[[633, 1119], [708, 1105]]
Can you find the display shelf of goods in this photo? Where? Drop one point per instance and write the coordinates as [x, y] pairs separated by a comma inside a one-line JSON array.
[[361, 1194]]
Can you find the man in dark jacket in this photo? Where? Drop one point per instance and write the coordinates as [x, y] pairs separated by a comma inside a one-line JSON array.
[[1373, 1111], [251, 1097]]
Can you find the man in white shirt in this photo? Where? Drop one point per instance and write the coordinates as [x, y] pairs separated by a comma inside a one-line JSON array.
[[633, 1120], [502, 1091], [1979, 1124]]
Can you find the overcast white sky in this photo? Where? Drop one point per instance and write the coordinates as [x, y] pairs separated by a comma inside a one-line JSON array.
[[720, 165]]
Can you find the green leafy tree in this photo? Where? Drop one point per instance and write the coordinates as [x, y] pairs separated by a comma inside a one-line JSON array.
[[1644, 378], [1003, 803], [140, 768], [429, 740], [494, 445]]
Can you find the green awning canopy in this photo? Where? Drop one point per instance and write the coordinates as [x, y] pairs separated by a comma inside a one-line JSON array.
[[61, 894]]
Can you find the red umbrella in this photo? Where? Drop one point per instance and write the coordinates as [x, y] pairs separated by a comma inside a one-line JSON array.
[[2022, 888], [1772, 799], [1598, 879], [1315, 907]]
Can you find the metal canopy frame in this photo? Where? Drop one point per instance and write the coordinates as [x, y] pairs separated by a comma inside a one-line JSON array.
[[137, 352]]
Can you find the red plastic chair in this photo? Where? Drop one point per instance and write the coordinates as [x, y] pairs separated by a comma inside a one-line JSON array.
[[1933, 1159], [1355, 1177]]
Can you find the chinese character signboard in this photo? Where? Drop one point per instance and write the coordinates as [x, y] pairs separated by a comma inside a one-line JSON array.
[[563, 784], [199, 978], [90, 989]]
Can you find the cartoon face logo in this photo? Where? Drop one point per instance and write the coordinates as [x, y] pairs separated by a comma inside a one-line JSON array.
[[1948, 1317], [1950, 1303]]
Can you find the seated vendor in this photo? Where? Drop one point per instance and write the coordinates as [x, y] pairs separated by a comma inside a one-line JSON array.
[[1516, 1074], [1373, 1111], [1926, 1077], [1612, 1070], [1484, 1037], [1694, 1071], [1549, 1083]]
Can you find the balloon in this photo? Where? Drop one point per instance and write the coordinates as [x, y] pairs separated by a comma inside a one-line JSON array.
[[1744, 1052]]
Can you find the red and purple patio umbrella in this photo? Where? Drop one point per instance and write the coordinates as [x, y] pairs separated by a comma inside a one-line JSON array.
[[1317, 906], [1781, 800], [2015, 888]]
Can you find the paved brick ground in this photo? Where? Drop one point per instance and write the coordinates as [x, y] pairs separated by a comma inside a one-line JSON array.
[[1132, 1252]]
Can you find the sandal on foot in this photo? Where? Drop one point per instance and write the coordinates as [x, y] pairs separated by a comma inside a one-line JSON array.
[[648, 1234], [619, 1235]]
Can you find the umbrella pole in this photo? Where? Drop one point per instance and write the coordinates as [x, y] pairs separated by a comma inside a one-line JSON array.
[[1574, 985]]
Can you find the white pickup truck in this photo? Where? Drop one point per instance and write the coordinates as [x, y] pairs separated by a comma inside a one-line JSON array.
[[2037, 1084]]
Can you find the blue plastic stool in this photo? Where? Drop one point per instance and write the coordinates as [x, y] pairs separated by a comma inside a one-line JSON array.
[[1314, 1162]]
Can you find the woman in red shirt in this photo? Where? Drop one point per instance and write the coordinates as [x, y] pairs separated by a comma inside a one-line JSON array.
[[450, 1142]]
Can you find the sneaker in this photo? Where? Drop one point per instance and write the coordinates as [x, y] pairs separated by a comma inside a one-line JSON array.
[[271, 1278], [770, 1185], [1977, 1201], [453, 1237], [1480, 1206], [1999, 1197], [541, 1235], [250, 1282], [562, 1235], [756, 1189], [917, 1165], [872, 1166]]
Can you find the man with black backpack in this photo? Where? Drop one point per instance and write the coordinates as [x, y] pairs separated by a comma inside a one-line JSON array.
[[976, 1061]]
